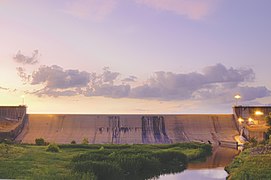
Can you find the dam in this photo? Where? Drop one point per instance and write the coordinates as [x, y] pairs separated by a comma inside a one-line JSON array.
[[217, 129], [12, 121], [129, 129]]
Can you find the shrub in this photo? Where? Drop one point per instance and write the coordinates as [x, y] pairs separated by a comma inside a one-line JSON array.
[[253, 142], [10, 151], [137, 164], [90, 156], [7, 141], [247, 145], [52, 148], [171, 157], [85, 141], [80, 146], [40, 141], [73, 142], [101, 169]]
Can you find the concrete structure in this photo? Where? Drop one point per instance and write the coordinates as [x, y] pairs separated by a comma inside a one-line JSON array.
[[137, 129], [251, 120], [12, 120], [12, 113], [221, 129]]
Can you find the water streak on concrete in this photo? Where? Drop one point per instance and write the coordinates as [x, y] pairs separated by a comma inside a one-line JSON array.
[[130, 129]]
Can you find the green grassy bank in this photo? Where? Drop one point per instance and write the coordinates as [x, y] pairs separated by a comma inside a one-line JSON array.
[[77, 161], [252, 163]]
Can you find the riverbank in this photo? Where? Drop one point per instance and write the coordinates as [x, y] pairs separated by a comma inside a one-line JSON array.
[[210, 169], [77, 161], [252, 163]]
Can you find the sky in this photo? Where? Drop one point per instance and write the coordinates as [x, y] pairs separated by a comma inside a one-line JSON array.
[[134, 56]]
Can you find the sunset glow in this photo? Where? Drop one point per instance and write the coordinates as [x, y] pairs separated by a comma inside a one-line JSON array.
[[138, 56]]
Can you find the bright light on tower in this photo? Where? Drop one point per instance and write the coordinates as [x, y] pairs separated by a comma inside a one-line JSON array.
[[240, 120], [237, 97], [258, 113]]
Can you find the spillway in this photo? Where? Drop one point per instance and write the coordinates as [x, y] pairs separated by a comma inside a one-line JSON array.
[[129, 129]]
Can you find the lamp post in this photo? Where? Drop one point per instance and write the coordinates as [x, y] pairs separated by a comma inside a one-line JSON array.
[[237, 97], [22, 99]]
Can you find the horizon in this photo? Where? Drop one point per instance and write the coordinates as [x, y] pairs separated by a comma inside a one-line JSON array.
[[135, 57], [142, 114]]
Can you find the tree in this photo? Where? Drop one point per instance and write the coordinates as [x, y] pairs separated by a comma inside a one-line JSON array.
[[53, 148], [40, 142]]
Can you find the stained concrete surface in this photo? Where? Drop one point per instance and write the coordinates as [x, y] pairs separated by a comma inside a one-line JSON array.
[[130, 129]]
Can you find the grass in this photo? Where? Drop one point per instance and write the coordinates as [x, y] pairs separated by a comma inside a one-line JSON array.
[[34, 162], [251, 165]]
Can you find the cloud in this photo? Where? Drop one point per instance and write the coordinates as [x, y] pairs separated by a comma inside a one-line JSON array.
[[4, 89], [22, 74], [192, 9], [109, 76], [98, 10], [219, 73], [169, 86], [22, 59], [104, 85], [251, 93], [56, 81], [55, 77], [215, 83], [224, 94], [95, 10], [54, 92], [109, 90], [129, 79]]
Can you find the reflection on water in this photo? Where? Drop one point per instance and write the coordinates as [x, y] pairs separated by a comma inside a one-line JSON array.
[[196, 174], [220, 157], [211, 169]]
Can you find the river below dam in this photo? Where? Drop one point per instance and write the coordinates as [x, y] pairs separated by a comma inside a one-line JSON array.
[[210, 169]]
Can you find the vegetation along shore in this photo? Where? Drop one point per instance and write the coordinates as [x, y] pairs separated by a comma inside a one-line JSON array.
[[91, 161]]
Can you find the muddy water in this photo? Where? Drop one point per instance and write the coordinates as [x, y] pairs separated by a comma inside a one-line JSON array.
[[210, 169]]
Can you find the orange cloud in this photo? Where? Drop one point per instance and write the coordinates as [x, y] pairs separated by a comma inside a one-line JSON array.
[[193, 9]]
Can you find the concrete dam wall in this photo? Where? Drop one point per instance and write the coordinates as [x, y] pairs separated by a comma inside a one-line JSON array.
[[130, 129], [12, 120]]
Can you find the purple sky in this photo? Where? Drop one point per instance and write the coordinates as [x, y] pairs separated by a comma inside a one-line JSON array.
[[134, 56]]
